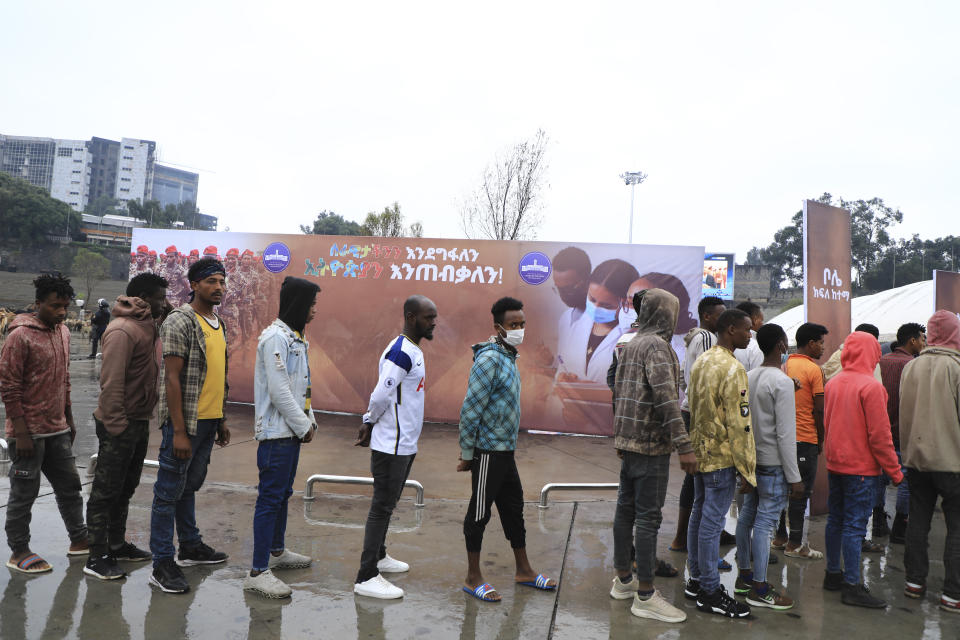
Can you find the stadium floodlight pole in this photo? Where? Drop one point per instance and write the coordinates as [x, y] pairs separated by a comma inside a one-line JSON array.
[[632, 178]]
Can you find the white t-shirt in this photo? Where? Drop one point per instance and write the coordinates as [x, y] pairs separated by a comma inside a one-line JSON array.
[[701, 342], [396, 404]]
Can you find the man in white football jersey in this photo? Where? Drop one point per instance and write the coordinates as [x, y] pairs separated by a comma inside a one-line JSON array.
[[391, 428]]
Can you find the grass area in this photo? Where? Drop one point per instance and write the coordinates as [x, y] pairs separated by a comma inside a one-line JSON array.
[[16, 290]]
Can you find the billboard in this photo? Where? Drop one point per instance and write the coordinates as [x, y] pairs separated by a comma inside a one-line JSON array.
[[946, 291], [718, 275], [364, 280]]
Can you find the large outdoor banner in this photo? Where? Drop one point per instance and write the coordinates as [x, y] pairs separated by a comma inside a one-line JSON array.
[[946, 291], [568, 345], [827, 271], [826, 294]]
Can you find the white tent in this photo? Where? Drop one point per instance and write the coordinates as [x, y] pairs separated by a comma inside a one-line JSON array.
[[886, 310]]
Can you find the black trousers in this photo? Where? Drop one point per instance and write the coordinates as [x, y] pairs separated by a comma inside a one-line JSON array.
[[389, 473], [925, 487], [495, 480], [807, 457]]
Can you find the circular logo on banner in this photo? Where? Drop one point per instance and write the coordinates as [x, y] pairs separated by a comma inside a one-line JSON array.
[[276, 257], [535, 268]]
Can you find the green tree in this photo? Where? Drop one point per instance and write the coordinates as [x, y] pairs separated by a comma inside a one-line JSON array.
[[329, 223], [390, 223], [90, 267], [28, 214], [102, 205], [870, 241]]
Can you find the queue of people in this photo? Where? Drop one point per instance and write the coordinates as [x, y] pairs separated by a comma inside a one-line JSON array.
[[756, 430]]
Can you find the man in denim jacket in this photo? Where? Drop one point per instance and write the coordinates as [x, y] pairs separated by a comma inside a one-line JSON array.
[[284, 420]]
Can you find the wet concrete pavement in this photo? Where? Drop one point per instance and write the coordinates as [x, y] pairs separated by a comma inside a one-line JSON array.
[[572, 540]]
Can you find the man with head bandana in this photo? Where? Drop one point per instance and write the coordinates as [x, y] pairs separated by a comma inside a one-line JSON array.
[[930, 441], [193, 392]]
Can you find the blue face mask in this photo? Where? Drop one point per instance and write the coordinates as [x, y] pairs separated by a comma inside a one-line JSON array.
[[599, 314]]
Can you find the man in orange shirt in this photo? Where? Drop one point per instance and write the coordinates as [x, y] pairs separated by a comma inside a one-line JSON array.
[[803, 368]]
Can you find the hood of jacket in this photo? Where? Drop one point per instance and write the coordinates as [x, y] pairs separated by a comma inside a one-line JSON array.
[[133, 308], [296, 298], [492, 343], [29, 320], [693, 333], [658, 313], [943, 330], [861, 353]]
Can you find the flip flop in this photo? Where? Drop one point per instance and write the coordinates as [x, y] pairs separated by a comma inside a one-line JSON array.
[[678, 549], [666, 570], [81, 552], [482, 592], [723, 565], [29, 564], [540, 582]]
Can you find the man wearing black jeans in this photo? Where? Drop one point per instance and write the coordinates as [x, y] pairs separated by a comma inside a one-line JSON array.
[[98, 324], [809, 380], [391, 428], [930, 437]]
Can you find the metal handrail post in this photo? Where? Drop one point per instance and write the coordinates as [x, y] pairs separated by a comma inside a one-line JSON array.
[[320, 477], [572, 486]]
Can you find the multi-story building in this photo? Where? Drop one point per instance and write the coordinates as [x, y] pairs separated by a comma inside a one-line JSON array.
[[174, 186], [135, 170], [62, 167], [103, 175]]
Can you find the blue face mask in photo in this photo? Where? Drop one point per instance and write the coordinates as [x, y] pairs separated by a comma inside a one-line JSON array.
[[599, 314]]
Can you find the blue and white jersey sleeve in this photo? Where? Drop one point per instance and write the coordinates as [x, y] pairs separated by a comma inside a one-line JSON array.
[[396, 404]]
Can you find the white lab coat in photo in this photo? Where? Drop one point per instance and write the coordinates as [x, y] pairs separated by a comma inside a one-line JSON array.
[[572, 351]]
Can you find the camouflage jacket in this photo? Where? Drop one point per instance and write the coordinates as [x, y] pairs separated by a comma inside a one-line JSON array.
[[720, 414]]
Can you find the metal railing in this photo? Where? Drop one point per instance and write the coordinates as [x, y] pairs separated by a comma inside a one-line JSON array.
[[320, 477], [92, 467], [4, 454], [572, 486]]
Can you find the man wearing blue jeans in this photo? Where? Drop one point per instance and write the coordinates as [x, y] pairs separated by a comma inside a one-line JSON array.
[[193, 392], [724, 446], [858, 445], [284, 420], [774, 431]]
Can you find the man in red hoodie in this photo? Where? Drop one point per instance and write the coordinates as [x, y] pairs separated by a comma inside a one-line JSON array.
[[35, 387], [858, 444], [128, 395]]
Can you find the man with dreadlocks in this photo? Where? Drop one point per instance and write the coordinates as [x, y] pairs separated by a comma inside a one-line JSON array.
[[35, 387]]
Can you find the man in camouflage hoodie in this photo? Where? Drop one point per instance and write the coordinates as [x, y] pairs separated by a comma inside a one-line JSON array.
[[647, 428]]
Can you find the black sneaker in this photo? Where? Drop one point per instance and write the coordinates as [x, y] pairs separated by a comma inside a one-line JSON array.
[[168, 577], [727, 539], [857, 595], [720, 603], [832, 581], [131, 553], [743, 586], [200, 554], [691, 589], [103, 567]]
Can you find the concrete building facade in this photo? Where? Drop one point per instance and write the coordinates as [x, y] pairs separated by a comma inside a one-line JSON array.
[[70, 179], [174, 186], [135, 170]]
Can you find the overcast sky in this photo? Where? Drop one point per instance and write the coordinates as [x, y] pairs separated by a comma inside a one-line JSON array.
[[737, 111]]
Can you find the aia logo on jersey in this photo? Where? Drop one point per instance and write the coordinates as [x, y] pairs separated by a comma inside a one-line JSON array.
[[420, 386]]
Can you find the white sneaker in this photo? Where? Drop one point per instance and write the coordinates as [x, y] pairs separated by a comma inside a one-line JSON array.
[[656, 608], [289, 560], [266, 584], [392, 565], [621, 591], [378, 587]]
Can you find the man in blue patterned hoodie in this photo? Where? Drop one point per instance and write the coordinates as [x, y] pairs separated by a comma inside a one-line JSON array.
[[489, 423]]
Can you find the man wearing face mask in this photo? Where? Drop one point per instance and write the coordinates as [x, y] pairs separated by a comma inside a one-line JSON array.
[[489, 424]]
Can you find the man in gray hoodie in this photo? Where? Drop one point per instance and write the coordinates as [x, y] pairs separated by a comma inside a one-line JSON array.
[[128, 395], [647, 428]]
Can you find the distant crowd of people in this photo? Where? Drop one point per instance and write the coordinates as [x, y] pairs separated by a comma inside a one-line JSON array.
[[745, 416]]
